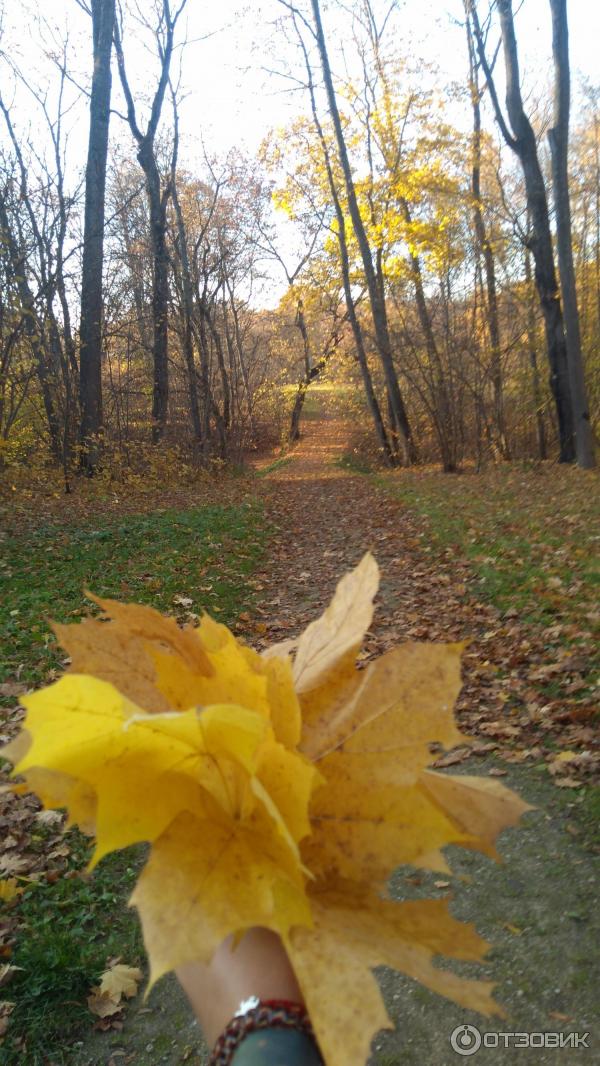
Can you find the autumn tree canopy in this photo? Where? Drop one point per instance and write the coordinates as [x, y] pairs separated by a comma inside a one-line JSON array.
[[401, 231]]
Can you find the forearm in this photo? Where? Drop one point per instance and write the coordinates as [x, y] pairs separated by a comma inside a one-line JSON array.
[[258, 967]]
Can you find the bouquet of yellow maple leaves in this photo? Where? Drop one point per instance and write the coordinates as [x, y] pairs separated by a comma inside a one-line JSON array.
[[274, 791]]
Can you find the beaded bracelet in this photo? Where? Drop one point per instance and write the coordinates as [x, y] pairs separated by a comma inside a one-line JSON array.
[[267, 1014]]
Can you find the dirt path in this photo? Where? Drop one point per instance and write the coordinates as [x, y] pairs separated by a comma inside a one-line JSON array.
[[539, 908]]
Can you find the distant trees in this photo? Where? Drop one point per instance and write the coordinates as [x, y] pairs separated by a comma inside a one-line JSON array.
[[564, 352], [400, 430], [430, 235], [36, 214], [130, 303], [158, 190]]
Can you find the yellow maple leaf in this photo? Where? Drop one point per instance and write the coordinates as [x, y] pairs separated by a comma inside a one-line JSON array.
[[102, 1004], [219, 768], [121, 651], [161, 667], [9, 889], [340, 628], [273, 793], [120, 980], [354, 931], [227, 877]]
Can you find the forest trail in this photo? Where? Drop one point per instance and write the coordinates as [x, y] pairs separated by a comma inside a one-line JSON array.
[[325, 518], [538, 908]]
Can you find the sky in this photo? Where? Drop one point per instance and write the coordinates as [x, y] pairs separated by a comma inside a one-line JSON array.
[[232, 98], [231, 95], [234, 94]]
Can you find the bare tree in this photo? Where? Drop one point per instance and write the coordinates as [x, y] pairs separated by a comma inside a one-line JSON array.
[[401, 424], [90, 330], [345, 267], [36, 225], [18, 275], [484, 247], [559, 144], [158, 193], [522, 141]]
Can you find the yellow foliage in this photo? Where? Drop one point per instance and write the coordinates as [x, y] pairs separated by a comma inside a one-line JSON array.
[[9, 890], [272, 794]]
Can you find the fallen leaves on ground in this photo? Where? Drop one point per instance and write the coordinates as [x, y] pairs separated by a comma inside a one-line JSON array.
[[118, 982], [9, 889], [528, 686], [33, 848], [7, 972], [272, 794], [6, 1009], [324, 519]]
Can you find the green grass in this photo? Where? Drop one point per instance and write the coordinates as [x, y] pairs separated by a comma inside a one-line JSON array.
[[205, 554], [72, 927], [588, 813], [530, 537], [354, 463], [277, 464], [70, 930], [328, 397]]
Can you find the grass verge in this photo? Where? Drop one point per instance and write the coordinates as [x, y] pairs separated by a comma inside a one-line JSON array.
[[531, 536], [277, 464], [204, 555], [68, 932], [180, 561]]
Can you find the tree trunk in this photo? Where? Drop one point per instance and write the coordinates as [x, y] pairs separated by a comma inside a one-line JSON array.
[[444, 422], [376, 296], [157, 199], [559, 145], [225, 387], [90, 329], [199, 326], [311, 375], [297, 410], [188, 300], [522, 142], [301, 326], [240, 355], [484, 249], [157, 203], [535, 374]]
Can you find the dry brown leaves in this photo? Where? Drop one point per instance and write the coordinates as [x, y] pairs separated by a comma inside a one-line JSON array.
[[33, 845], [107, 1000], [326, 519]]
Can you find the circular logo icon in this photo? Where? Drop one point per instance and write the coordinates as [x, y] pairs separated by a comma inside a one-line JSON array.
[[466, 1040]]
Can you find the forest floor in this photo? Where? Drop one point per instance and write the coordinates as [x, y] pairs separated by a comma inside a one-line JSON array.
[[529, 700]]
